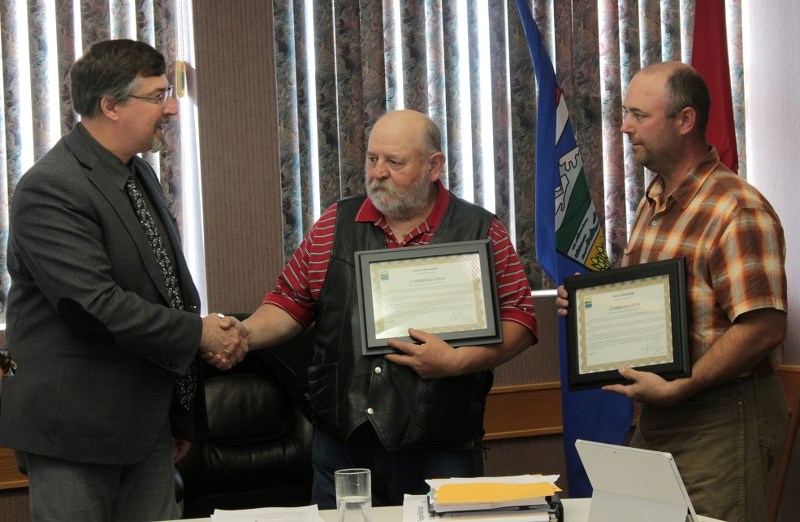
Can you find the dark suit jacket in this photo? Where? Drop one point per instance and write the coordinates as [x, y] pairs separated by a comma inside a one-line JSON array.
[[88, 319]]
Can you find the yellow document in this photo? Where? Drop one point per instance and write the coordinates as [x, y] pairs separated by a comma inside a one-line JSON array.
[[493, 492]]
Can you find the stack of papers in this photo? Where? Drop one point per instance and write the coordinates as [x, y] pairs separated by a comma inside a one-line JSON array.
[[488, 493]]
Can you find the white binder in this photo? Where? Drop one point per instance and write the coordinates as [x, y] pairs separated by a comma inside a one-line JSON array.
[[632, 485]]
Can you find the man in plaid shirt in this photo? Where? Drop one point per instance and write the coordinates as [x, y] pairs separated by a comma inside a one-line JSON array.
[[725, 424]]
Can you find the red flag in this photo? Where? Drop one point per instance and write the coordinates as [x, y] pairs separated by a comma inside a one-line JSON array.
[[710, 58]]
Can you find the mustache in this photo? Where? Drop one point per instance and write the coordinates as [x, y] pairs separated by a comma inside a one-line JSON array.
[[384, 185]]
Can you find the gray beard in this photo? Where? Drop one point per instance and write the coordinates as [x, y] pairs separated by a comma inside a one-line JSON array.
[[156, 145], [404, 205]]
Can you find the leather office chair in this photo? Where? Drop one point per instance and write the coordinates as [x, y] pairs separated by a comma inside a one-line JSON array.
[[258, 451]]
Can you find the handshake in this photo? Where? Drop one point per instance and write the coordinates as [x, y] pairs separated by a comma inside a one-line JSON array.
[[224, 341]]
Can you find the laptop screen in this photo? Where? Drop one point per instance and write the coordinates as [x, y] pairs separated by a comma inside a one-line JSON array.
[[636, 477]]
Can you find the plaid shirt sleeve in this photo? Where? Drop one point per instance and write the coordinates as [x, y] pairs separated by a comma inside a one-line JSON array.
[[748, 269]]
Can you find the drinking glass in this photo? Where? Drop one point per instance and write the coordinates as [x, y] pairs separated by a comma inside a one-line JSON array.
[[353, 495]]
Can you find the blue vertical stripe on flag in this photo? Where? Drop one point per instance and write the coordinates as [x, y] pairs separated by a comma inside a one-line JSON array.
[[569, 240]]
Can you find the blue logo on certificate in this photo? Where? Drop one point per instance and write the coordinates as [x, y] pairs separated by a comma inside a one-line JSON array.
[[588, 303], [384, 275]]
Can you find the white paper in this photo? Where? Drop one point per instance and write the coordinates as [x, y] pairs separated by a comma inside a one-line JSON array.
[[276, 514], [510, 479], [624, 325], [436, 294]]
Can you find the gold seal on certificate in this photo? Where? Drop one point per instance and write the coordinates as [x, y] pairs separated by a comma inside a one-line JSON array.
[[448, 290], [634, 317]]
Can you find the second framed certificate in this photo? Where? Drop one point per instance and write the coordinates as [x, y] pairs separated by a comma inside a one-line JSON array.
[[633, 317], [448, 290]]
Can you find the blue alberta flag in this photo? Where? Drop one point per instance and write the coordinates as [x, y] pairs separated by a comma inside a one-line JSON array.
[[569, 240]]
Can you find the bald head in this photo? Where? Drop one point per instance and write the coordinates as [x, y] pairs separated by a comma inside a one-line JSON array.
[[413, 127], [665, 68], [682, 87]]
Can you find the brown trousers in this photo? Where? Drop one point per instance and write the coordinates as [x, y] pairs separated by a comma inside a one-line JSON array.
[[724, 441]]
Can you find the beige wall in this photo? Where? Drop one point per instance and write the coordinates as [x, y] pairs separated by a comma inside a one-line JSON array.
[[772, 68], [236, 103]]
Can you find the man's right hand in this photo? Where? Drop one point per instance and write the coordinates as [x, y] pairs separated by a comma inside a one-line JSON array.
[[224, 341], [562, 300]]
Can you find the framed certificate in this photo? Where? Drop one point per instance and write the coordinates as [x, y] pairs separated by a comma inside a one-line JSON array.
[[634, 317], [448, 290]]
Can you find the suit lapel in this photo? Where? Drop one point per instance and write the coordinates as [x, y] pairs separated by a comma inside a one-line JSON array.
[[99, 176]]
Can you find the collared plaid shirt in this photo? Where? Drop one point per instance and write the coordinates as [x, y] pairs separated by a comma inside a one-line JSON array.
[[298, 287], [732, 240]]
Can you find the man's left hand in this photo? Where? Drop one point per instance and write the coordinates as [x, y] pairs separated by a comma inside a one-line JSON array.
[[431, 357], [180, 448]]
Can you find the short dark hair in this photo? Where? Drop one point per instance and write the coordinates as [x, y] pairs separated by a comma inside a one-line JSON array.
[[686, 88], [110, 68]]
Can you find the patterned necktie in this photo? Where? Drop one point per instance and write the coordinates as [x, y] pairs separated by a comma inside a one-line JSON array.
[[186, 384]]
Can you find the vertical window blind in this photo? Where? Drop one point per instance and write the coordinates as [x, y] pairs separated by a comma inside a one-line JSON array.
[[340, 64]]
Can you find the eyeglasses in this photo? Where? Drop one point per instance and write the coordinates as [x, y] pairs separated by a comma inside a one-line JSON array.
[[158, 99]]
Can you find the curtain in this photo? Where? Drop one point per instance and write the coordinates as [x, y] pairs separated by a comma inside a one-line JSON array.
[[39, 41], [342, 63]]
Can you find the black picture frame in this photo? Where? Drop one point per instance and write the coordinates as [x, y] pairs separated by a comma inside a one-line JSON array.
[[628, 318], [485, 330]]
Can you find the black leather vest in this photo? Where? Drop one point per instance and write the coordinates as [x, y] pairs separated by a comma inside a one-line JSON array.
[[347, 389]]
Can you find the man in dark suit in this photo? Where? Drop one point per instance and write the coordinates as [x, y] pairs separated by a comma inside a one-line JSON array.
[[103, 315]]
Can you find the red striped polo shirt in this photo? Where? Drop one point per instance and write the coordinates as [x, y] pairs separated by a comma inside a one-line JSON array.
[[298, 287]]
